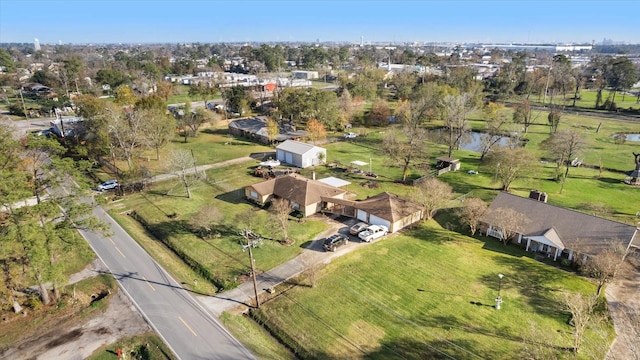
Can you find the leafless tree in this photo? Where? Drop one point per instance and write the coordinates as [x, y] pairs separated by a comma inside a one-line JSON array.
[[126, 132], [564, 146], [537, 344], [472, 210], [510, 163], [205, 220], [581, 307], [433, 195], [606, 265], [457, 108], [180, 162], [496, 126], [280, 209], [159, 129], [507, 222]]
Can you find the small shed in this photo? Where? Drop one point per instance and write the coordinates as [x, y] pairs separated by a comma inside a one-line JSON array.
[[446, 164], [300, 154]]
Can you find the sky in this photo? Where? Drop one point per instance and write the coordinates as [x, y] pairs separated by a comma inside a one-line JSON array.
[[163, 21]]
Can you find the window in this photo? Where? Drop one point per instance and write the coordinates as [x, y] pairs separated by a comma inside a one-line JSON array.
[[254, 194]]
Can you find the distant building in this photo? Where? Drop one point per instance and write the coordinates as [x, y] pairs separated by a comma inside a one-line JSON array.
[[36, 44], [304, 75]]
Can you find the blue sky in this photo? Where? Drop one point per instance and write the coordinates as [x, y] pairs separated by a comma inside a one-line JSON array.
[[144, 21]]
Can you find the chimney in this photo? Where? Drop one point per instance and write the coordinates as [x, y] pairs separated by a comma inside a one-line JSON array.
[[538, 196]]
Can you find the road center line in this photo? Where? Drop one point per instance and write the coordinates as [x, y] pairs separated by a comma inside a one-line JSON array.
[[187, 325], [120, 252], [147, 281], [113, 242]]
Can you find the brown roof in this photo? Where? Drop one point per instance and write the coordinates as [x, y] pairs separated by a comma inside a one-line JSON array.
[[387, 206], [577, 231], [297, 188]]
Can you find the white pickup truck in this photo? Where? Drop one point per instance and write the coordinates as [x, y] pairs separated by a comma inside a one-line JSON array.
[[373, 232]]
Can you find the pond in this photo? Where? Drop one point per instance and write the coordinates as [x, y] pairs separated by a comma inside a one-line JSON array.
[[472, 141], [630, 137]]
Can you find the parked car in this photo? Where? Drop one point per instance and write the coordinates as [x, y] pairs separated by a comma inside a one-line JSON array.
[[373, 232], [350, 135], [270, 163], [357, 228], [334, 241], [107, 185]]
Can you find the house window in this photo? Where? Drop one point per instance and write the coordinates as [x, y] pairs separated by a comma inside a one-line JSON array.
[[254, 194], [295, 206]]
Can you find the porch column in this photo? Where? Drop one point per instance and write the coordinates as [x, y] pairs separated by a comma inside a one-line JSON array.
[[528, 244], [570, 255], [519, 238], [555, 255]]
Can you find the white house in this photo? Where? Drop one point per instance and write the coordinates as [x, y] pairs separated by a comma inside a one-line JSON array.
[[300, 154]]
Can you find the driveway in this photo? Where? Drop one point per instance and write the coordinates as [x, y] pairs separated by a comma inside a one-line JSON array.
[[623, 297]]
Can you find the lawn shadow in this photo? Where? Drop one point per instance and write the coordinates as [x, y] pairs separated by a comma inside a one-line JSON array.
[[439, 236], [232, 197], [435, 348], [263, 155]]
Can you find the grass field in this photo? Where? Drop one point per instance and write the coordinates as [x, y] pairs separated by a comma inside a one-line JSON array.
[[428, 293]]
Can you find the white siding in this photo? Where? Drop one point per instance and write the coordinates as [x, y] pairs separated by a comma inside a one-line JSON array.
[[374, 220], [362, 215]]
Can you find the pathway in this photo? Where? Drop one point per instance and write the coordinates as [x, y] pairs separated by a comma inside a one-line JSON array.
[[163, 177], [623, 297]]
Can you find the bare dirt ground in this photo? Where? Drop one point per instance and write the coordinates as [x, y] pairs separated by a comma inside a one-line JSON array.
[[623, 296], [79, 338]]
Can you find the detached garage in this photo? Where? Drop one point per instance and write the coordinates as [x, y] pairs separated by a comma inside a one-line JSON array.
[[300, 154]]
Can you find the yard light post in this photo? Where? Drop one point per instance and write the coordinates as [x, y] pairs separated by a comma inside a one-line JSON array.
[[499, 298]]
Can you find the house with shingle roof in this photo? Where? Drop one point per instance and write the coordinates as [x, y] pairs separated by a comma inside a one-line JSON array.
[[557, 232], [386, 209], [255, 128], [304, 194]]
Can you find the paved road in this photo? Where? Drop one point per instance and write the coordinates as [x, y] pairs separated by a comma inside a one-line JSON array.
[[189, 330]]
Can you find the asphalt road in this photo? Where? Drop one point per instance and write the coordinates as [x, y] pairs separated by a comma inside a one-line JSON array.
[[189, 330]]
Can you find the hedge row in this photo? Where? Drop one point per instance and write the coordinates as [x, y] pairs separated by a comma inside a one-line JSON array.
[[282, 336], [159, 233]]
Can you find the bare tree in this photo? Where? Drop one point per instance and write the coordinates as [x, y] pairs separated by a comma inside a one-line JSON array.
[[457, 108], [606, 265], [159, 129], [510, 163], [126, 131], [523, 114], [564, 146], [280, 209], [205, 220], [433, 195], [497, 121], [581, 307], [181, 163], [537, 344], [472, 210], [508, 222]]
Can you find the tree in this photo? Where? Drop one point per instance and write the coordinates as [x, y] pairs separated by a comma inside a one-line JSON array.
[[113, 78], [280, 209], [316, 131], [346, 104], [158, 129], [554, 120], [6, 61], [581, 307], [522, 114], [510, 163], [237, 99], [151, 102], [404, 83], [620, 74], [124, 95], [379, 114], [205, 220], [433, 195], [273, 129], [606, 265], [126, 133], [181, 163], [497, 121], [508, 222], [457, 108], [193, 120], [406, 147], [564, 146], [471, 212], [164, 89], [205, 91]]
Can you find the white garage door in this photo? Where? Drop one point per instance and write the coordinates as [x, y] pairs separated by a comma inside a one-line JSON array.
[[374, 220], [362, 215], [289, 158]]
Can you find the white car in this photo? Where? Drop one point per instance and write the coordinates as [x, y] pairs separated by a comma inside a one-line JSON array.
[[107, 185], [373, 232], [270, 163], [350, 135]]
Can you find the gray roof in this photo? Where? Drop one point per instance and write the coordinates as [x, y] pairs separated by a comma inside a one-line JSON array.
[[296, 147], [577, 231], [254, 124]]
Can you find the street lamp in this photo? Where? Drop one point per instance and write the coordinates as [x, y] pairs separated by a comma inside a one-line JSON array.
[[499, 298]]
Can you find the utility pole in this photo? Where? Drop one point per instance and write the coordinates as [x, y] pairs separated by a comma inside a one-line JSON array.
[[24, 108], [247, 234]]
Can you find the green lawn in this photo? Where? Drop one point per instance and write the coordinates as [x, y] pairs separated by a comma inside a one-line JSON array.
[[168, 217], [426, 293]]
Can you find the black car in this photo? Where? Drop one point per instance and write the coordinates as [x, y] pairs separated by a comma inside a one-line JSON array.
[[334, 241]]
